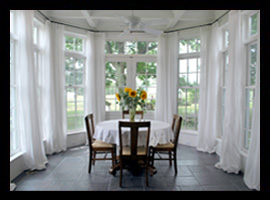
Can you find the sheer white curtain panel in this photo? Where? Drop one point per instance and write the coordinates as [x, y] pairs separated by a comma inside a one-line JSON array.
[[28, 107], [230, 157], [166, 101], [252, 170], [53, 88], [210, 84]]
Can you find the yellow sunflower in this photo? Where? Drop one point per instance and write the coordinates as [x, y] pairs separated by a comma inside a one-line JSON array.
[[117, 96], [143, 95], [127, 89], [132, 93]]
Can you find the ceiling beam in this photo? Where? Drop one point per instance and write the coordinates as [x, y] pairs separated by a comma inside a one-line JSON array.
[[88, 18], [176, 18]]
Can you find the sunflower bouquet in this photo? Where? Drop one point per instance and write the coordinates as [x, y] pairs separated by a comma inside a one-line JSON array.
[[131, 98]]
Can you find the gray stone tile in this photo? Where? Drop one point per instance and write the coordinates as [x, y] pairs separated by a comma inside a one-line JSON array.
[[220, 188], [198, 169], [187, 181], [210, 179], [192, 188]]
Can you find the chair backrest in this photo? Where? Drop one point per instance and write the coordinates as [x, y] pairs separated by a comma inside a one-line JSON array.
[[176, 127], [134, 132], [126, 112], [90, 129]]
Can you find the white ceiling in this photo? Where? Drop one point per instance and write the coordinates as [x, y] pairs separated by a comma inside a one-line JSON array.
[[108, 20]]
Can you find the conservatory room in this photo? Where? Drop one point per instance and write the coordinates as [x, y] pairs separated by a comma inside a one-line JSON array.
[[134, 100]]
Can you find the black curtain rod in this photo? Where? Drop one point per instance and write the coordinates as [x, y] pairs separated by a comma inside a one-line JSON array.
[[181, 29]]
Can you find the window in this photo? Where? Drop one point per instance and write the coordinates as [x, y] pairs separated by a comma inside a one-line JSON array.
[[189, 80], [252, 27], [131, 47], [225, 66], [74, 81], [14, 131], [147, 79], [250, 92], [138, 70]]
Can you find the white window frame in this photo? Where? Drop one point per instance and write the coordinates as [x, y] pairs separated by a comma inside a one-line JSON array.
[[183, 56], [131, 61], [14, 39], [75, 55], [248, 41]]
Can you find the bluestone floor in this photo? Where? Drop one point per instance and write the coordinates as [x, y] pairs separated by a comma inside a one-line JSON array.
[[68, 171]]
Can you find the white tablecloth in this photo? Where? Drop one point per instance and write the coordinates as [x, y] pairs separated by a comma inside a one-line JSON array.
[[107, 131]]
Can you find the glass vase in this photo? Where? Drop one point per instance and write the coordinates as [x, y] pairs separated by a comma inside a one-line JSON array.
[[132, 113]]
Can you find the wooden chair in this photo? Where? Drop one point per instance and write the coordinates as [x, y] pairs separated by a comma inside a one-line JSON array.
[[169, 148], [126, 112], [97, 146], [132, 154]]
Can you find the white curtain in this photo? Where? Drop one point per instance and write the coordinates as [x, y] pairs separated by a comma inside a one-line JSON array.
[[230, 158], [53, 88], [252, 170], [166, 100], [28, 107], [95, 76], [210, 93]]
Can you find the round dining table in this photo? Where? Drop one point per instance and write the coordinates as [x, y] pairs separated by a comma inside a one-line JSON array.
[[107, 131]]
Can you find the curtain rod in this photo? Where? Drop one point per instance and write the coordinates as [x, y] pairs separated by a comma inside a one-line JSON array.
[[104, 31]]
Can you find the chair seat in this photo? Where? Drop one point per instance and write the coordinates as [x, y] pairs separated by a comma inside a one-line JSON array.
[[101, 144], [168, 145], [140, 151]]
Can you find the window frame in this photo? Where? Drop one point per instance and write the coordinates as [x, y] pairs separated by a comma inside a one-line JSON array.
[[77, 56], [189, 55], [249, 40]]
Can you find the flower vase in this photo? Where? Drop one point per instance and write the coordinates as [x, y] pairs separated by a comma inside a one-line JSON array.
[[132, 113]]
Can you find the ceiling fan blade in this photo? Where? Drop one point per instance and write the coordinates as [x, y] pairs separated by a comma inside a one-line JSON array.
[[124, 19], [152, 31], [156, 22]]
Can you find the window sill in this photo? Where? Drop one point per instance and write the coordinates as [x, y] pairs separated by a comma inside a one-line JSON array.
[[75, 132], [190, 132], [16, 155]]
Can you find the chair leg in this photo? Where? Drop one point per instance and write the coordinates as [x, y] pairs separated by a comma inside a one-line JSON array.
[[170, 157], [113, 157], [94, 158], [90, 162], [175, 161], [120, 178]]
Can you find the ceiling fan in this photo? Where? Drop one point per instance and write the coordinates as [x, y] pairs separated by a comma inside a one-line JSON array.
[[134, 23]]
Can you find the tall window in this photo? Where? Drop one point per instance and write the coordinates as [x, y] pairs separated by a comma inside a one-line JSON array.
[[189, 80], [74, 79], [225, 66], [134, 71], [147, 79], [252, 51], [14, 131]]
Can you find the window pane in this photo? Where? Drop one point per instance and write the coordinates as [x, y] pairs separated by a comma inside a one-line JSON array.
[[141, 68], [71, 108], [252, 66], [69, 43], [253, 24], [79, 79], [141, 80], [69, 78], [142, 47], [182, 80], [152, 48], [35, 34], [79, 65], [190, 123], [192, 79], [151, 68], [192, 65], [70, 94], [183, 66], [183, 46], [80, 122], [193, 46], [152, 79], [71, 123], [80, 94], [69, 63], [121, 80], [130, 47], [151, 98], [226, 38], [78, 44]]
